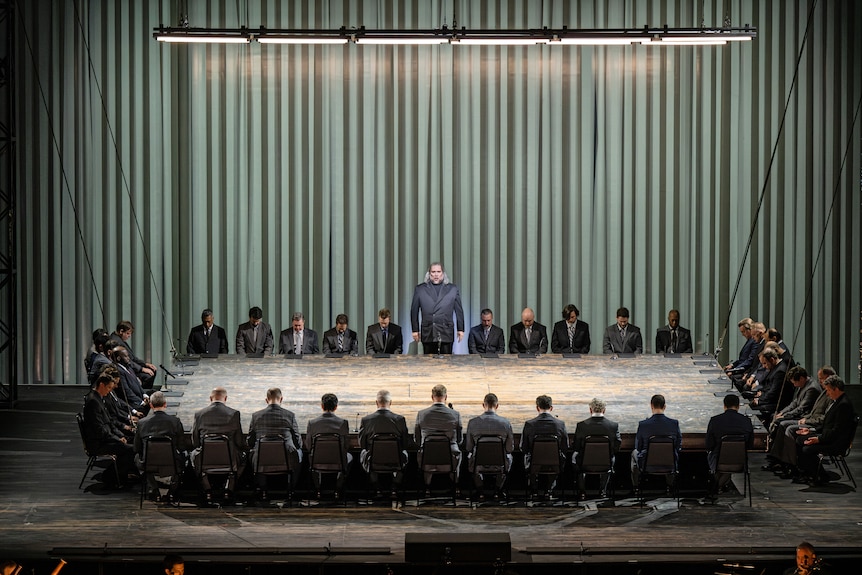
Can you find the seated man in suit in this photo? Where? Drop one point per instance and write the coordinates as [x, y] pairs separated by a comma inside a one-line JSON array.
[[543, 424], [748, 353], [528, 336], [622, 337], [328, 422], [207, 337], [255, 335], [595, 424], [673, 338], [218, 418], [486, 337], [340, 339], [776, 391], [275, 420], [730, 422], [144, 370], [570, 335], [131, 389], [383, 421], [103, 434], [440, 419], [118, 408], [97, 358], [658, 424], [160, 424], [383, 336], [489, 423], [296, 340]]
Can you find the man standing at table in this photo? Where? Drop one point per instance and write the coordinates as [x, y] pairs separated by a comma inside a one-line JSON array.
[[437, 299]]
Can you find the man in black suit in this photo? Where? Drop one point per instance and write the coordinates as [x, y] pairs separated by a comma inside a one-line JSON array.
[[622, 337], [489, 423], [131, 389], [255, 335], [440, 419], [834, 437], [328, 422], [296, 340], [103, 435], [595, 424], [218, 418], [207, 337], [486, 337], [570, 335], [777, 388], [658, 424], [340, 339], [543, 424], [383, 336], [730, 422], [383, 421], [145, 370], [275, 420], [160, 424], [528, 336], [437, 299], [673, 338]]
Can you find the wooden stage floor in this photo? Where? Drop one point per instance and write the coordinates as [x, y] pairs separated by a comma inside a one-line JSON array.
[[43, 512]]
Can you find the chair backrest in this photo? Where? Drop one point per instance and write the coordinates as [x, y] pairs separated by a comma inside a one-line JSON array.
[[384, 453], [272, 456], [852, 435], [159, 456], [546, 453], [327, 453], [80, 420], [661, 455], [598, 454], [436, 452], [489, 453], [216, 456], [732, 455]]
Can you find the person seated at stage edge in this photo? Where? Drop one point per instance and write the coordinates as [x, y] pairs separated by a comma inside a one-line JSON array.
[[218, 418], [255, 335], [340, 339], [570, 335], [622, 336], [328, 422], [383, 336], [543, 424], [486, 337], [104, 436], [274, 420], [657, 424], [528, 336], [143, 369], [729, 422], [489, 423], [673, 338], [297, 340], [776, 389], [748, 353], [595, 424], [207, 337], [383, 421], [440, 419], [806, 390]]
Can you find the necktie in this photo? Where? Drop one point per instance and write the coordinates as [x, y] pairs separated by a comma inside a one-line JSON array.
[[487, 332], [297, 342], [385, 337], [528, 334], [257, 331], [571, 336], [673, 341], [340, 340]]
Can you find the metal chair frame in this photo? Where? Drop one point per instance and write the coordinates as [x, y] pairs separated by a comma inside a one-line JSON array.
[[545, 460], [436, 453], [327, 454], [273, 458], [733, 458], [598, 458], [660, 460], [159, 455], [489, 456], [840, 460], [94, 459]]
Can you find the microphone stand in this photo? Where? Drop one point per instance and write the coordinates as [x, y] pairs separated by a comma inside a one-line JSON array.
[[167, 373], [439, 354]]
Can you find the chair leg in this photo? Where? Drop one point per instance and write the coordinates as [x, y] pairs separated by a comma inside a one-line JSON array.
[[90, 462]]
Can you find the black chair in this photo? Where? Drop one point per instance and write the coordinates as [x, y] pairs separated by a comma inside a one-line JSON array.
[[159, 460], [94, 459], [327, 457], [436, 458], [732, 457], [840, 460], [598, 459], [489, 457], [545, 460], [216, 459], [385, 457], [273, 459], [660, 460]]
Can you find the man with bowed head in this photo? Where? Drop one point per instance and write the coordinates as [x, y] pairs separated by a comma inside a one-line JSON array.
[[436, 299]]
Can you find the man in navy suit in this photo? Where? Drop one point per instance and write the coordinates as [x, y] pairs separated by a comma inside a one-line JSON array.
[[340, 339], [658, 424], [486, 337], [207, 337], [528, 336], [623, 337], [730, 422], [437, 299], [383, 336], [570, 335], [297, 340]]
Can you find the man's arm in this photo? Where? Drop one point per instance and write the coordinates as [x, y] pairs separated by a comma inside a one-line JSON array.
[[240, 343]]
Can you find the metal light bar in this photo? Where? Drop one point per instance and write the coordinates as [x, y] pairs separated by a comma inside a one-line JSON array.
[[265, 36], [203, 35], [402, 37]]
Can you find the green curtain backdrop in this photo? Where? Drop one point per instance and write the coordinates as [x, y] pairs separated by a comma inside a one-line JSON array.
[[326, 178]]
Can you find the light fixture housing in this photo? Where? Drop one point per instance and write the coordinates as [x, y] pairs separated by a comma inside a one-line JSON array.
[[202, 35]]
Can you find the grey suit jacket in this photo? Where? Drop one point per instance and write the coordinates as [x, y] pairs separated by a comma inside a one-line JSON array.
[[309, 342], [349, 343], [596, 426], [438, 419], [245, 341], [489, 423], [219, 418], [160, 424], [275, 420], [374, 339], [328, 422], [613, 343], [437, 312], [496, 340]]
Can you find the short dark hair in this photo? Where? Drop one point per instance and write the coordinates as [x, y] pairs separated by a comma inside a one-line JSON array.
[[657, 400], [731, 400], [273, 393], [100, 331], [384, 313], [104, 379], [835, 381], [255, 313], [341, 318], [329, 401], [125, 325], [486, 311], [828, 370], [170, 560], [491, 400], [208, 313], [769, 354], [544, 402], [567, 311], [623, 312], [101, 341], [797, 372]]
